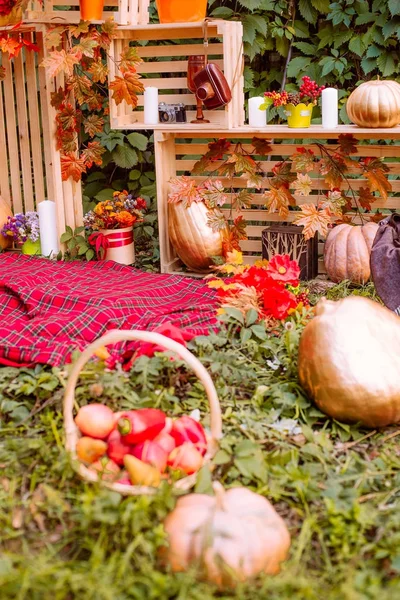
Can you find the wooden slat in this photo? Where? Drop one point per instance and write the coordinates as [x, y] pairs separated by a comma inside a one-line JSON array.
[[5, 191], [12, 139], [178, 50], [34, 125], [198, 149], [169, 66]]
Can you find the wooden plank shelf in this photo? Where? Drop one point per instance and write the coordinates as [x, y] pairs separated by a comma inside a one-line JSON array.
[[177, 151], [60, 12]]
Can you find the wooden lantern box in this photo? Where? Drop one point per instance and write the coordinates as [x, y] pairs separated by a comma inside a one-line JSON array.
[[165, 50], [177, 152], [60, 12], [289, 239]]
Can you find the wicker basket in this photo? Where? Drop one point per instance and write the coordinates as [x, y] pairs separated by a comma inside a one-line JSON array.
[[72, 433]]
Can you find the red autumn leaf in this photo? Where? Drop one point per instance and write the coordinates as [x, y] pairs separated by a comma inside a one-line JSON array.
[[72, 166], [376, 217], [282, 174], [184, 189], [81, 87], [261, 147], [347, 144], [85, 47], [93, 154], [374, 170], [126, 88], [366, 198], [67, 140], [216, 150], [278, 200], [60, 61], [94, 100], [303, 160], [332, 171], [93, 124], [239, 228], [129, 59], [57, 98], [29, 46], [98, 70], [67, 117], [313, 220]]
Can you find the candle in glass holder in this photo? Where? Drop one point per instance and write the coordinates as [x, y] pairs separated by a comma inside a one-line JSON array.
[[257, 117], [151, 106], [329, 100]]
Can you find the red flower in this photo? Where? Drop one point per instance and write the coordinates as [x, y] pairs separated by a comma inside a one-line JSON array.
[[257, 277], [141, 204], [284, 270], [278, 301]]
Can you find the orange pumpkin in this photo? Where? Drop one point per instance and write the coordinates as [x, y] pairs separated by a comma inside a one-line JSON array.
[[347, 252], [375, 104], [349, 361], [231, 537], [192, 238], [5, 212]]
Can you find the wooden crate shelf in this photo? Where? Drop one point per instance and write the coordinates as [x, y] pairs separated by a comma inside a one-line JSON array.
[[165, 67], [176, 153], [58, 12]]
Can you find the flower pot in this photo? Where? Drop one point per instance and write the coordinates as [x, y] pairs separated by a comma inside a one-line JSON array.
[[91, 10], [181, 11], [31, 248], [192, 238], [120, 245], [299, 115]]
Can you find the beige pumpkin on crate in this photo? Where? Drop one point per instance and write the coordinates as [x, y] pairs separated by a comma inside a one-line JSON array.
[[347, 252], [375, 104], [5, 212], [193, 239], [72, 433]]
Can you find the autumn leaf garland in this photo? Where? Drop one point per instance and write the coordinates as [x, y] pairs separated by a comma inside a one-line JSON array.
[[77, 56]]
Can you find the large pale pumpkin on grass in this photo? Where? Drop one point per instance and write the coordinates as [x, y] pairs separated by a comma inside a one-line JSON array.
[[375, 104], [347, 252], [5, 212], [230, 537], [349, 361]]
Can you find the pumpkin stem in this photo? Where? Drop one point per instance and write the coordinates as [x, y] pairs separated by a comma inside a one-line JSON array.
[[219, 494]]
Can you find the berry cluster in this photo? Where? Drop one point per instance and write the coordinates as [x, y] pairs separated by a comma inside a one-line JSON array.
[[309, 89], [278, 98], [6, 6]]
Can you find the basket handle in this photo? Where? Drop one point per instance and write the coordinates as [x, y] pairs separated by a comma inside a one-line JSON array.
[[116, 335]]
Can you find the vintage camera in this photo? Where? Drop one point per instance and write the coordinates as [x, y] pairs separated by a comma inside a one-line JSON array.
[[172, 113]]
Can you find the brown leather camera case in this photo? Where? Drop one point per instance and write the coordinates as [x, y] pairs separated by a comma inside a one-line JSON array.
[[212, 87]]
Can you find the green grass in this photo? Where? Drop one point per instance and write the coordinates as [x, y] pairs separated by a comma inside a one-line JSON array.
[[336, 486]]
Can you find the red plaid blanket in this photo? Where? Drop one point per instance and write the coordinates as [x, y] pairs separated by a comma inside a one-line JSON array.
[[49, 309]]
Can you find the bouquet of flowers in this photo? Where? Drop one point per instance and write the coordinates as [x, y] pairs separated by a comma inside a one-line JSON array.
[[270, 287], [308, 93], [22, 227], [123, 210]]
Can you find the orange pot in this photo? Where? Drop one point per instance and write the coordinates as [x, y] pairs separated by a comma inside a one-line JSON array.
[[181, 11], [91, 10]]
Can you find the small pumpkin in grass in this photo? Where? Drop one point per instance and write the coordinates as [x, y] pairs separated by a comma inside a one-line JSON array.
[[231, 536], [349, 361], [375, 104], [347, 252]]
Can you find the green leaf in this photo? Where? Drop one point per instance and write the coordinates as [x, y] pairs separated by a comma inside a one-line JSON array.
[[204, 481], [258, 22], [302, 30], [222, 12], [138, 140], [235, 313], [321, 6], [306, 48], [392, 27], [373, 51], [368, 65], [328, 65], [134, 175], [105, 194], [366, 18], [298, 66], [386, 64], [251, 317], [250, 4], [356, 45], [394, 7], [89, 254], [65, 237], [307, 11], [125, 157]]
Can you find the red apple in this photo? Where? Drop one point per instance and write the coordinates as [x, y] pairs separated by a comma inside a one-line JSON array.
[[151, 453], [116, 447], [166, 441], [95, 420], [186, 429], [186, 458]]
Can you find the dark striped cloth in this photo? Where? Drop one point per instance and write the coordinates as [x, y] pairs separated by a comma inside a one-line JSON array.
[[49, 309]]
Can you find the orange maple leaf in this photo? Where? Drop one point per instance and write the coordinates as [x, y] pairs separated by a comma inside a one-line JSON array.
[[313, 220], [126, 88], [98, 71], [303, 184], [279, 199], [93, 154], [10, 45], [60, 61], [374, 170], [93, 124], [72, 166], [366, 198]]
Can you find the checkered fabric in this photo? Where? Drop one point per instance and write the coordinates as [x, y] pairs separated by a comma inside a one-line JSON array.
[[49, 309]]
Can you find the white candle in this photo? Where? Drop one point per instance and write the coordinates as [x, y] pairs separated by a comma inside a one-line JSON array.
[[48, 228], [329, 99], [257, 117], [151, 106]]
